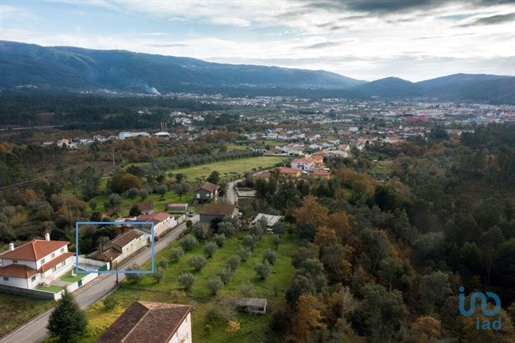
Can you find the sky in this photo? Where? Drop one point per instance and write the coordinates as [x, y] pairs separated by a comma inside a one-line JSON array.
[[363, 39]]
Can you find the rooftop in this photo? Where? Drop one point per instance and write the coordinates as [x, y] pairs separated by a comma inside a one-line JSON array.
[[34, 250], [217, 210], [146, 322], [208, 186], [17, 271], [125, 238]]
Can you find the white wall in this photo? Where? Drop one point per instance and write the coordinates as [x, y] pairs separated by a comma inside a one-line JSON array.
[[6, 262], [14, 282], [183, 333], [49, 257], [61, 270]]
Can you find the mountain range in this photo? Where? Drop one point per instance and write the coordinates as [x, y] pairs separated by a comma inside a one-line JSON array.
[[70, 69]]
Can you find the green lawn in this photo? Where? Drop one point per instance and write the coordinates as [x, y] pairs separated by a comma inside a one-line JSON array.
[[53, 289], [69, 278], [253, 327], [16, 310]]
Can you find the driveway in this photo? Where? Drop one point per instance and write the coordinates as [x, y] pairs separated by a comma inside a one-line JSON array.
[[35, 330]]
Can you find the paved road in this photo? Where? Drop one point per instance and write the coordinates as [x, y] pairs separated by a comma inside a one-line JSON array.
[[35, 330], [231, 192]]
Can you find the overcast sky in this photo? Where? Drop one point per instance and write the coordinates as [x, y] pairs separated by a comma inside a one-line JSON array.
[[362, 39]]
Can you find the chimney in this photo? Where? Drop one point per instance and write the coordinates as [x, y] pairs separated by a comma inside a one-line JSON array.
[[11, 246], [47, 236]]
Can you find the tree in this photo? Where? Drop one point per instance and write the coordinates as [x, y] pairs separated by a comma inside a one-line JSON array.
[[115, 200], [311, 212], [307, 317], [92, 204], [313, 269], [219, 240], [269, 255], [426, 329], [161, 190], [189, 242], [186, 280], [214, 177], [436, 289], [300, 285], [390, 270], [181, 189], [163, 263], [336, 264], [233, 262], [276, 240], [197, 262], [90, 182], [134, 211], [227, 228], [214, 284], [210, 249], [176, 254], [263, 269], [225, 274], [249, 242], [134, 277], [123, 181], [244, 254], [67, 322], [199, 230], [159, 274], [377, 243], [489, 243]]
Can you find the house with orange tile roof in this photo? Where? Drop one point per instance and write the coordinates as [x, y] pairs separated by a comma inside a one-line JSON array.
[[121, 247], [285, 171], [34, 263], [322, 174]]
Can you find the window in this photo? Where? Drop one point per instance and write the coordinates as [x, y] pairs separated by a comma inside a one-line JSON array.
[[6, 279], [33, 278], [62, 250], [53, 255], [43, 261], [63, 263], [54, 269], [15, 261]]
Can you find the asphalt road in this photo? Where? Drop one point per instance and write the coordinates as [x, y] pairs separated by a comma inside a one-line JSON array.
[[35, 330]]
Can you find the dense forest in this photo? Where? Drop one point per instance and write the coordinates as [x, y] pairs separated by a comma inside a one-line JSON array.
[[383, 261]]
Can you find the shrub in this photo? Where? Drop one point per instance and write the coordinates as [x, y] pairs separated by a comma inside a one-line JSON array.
[[220, 240], [244, 254], [189, 242], [249, 242], [247, 289], [276, 241], [197, 262], [186, 280], [233, 262], [214, 284], [269, 255], [199, 230], [176, 254], [263, 269], [163, 263], [134, 277], [110, 303], [226, 228], [159, 274], [225, 275], [210, 249]]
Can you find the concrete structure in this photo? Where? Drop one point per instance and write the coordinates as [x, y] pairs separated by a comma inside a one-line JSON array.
[[177, 207], [35, 262], [124, 135], [151, 322], [271, 220]]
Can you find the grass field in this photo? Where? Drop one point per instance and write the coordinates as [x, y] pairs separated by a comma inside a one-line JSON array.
[[69, 278], [238, 166], [253, 327], [15, 310]]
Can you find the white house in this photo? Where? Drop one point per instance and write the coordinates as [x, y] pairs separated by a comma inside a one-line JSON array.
[[151, 322], [36, 262], [302, 164], [122, 246], [162, 221]]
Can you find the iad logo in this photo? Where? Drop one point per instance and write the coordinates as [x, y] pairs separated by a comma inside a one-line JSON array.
[[485, 324]]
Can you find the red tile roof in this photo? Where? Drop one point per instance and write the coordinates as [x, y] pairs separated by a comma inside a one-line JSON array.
[[208, 186], [286, 170], [49, 265], [145, 206], [34, 250], [125, 238], [146, 322], [217, 210], [17, 271], [108, 255], [321, 172]]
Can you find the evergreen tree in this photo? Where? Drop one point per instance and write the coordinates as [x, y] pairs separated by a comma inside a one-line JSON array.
[[67, 321]]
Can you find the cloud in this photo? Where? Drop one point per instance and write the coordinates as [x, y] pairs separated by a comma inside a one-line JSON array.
[[167, 45], [322, 45], [492, 20], [230, 21]]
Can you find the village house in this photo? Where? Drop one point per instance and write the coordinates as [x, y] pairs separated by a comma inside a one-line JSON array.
[[208, 191], [302, 164], [285, 171], [212, 211], [322, 174], [34, 263], [162, 221], [121, 247], [146, 207], [151, 322]]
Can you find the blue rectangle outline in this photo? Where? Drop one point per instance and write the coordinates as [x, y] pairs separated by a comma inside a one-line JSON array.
[[111, 271]]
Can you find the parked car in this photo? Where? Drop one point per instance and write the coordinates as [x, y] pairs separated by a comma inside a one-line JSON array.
[[191, 214]]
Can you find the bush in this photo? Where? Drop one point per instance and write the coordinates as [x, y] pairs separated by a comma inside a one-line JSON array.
[[269, 255], [214, 284], [163, 263], [276, 241], [249, 242], [244, 254], [189, 242], [220, 240], [176, 254], [186, 280], [134, 277], [279, 320], [225, 275], [210, 249], [263, 269], [197, 262], [247, 289], [226, 228], [159, 274], [199, 230], [233, 262], [109, 303]]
